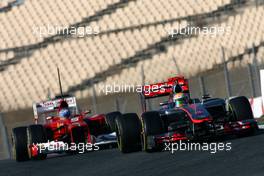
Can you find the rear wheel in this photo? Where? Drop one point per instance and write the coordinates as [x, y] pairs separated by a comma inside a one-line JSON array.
[[240, 109], [19, 142], [110, 119], [36, 135], [128, 129], [152, 125]]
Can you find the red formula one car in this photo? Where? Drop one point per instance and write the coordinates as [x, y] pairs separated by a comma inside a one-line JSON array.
[[182, 118], [53, 133]]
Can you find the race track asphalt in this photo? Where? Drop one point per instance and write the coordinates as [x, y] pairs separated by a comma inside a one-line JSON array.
[[245, 158]]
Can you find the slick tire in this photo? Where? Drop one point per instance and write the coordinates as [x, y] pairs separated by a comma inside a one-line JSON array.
[[19, 144], [240, 109], [128, 131]]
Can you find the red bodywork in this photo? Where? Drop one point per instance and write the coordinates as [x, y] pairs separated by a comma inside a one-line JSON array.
[[62, 126], [60, 129]]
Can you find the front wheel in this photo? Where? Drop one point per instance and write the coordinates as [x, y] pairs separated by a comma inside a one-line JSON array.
[[19, 144]]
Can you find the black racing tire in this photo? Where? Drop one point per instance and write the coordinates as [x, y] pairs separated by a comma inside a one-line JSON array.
[[240, 109], [36, 135], [19, 144], [110, 119], [152, 125], [128, 132]]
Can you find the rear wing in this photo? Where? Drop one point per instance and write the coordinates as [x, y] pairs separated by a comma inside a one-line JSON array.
[[50, 106], [164, 88]]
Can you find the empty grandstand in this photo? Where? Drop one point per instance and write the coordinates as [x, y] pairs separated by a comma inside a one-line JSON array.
[[132, 37]]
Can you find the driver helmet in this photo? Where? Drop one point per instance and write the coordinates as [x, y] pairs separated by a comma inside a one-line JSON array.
[[65, 113], [64, 109], [180, 99]]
